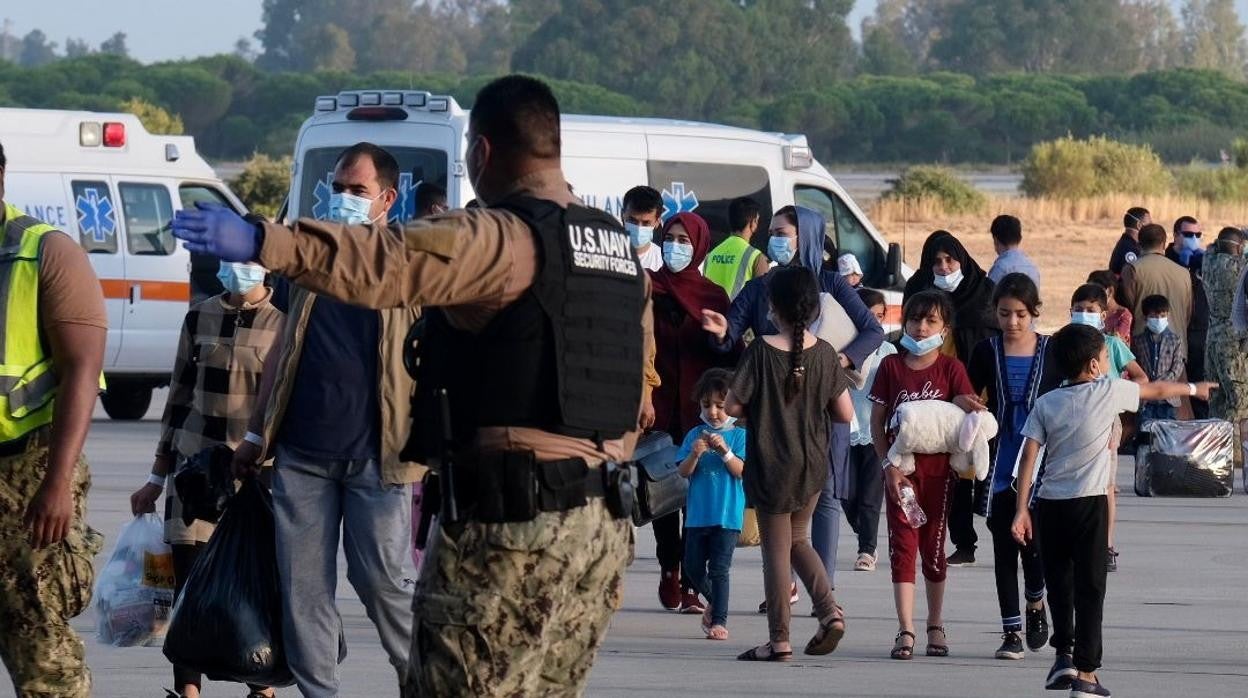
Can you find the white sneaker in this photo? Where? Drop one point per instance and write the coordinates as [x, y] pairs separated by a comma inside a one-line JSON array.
[[865, 563]]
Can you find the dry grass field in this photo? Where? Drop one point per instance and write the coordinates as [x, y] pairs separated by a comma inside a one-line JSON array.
[[1067, 240]]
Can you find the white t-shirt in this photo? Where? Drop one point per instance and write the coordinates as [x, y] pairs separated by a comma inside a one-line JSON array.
[[652, 258], [1075, 425]]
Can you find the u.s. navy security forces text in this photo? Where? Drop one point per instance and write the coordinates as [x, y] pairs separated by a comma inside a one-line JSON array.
[[600, 249]]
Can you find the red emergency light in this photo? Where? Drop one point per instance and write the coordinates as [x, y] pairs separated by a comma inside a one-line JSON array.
[[114, 134]]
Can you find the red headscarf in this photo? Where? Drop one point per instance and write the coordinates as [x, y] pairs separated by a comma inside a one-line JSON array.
[[691, 290]]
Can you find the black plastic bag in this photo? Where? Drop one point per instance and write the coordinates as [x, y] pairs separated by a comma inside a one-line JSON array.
[[227, 623], [205, 484]]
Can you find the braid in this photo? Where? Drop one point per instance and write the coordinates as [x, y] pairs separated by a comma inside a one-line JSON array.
[[793, 383], [795, 300]]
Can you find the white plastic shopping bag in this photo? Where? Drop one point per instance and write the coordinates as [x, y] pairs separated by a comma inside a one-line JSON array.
[[134, 593]]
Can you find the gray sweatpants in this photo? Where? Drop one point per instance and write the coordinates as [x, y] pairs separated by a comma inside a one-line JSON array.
[[312, 498]]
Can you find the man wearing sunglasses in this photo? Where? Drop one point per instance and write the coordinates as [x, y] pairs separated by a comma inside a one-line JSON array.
[[1187, 250]]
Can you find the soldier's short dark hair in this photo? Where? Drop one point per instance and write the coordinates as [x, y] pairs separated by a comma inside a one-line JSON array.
[[519, 116], [1152, 236], [1134, 217], [385, 164]]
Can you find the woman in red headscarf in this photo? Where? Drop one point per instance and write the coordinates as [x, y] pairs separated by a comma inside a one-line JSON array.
[[683, 353]]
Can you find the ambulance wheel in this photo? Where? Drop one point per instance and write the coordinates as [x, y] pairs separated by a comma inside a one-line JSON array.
[[126, 402]]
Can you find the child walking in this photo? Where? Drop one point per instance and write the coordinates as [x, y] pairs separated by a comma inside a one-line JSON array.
[[216, 377], [1074, 425], [712, 457], [1163, 355], [788, 385], [866, 479], [1089, 306], [921, 372], [1013, 370], [1118, 318]]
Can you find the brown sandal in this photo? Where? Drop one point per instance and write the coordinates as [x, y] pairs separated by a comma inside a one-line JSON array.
[[901, 650], [937, 649], [828, 636]]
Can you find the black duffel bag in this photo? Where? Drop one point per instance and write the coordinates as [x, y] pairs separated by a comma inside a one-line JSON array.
[[660, 488]]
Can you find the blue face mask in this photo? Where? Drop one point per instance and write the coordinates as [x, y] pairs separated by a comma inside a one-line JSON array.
[[240, 278], [1157, 325], [677, 256], [639, 235], [921, 347], [350, 209], [1191, 244], [780, 249], [1092, 320]]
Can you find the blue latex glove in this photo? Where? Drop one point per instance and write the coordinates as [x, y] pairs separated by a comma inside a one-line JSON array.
[[214, 229]]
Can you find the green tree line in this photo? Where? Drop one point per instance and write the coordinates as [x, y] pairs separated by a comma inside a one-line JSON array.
[[931, 80]]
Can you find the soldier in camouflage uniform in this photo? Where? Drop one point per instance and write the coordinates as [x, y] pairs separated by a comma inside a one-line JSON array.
[[516, 608], [51, 354], [1226, 362]]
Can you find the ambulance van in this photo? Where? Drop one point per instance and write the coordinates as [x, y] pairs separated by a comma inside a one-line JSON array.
[[105, 180], [698, 167]]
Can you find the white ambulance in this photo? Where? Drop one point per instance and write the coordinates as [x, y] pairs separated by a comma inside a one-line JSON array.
[[697, 167], [105, 180]]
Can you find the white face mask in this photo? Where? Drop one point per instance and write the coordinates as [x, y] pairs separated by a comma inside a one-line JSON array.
[[351, 209], [1092, 320], [948, 283]]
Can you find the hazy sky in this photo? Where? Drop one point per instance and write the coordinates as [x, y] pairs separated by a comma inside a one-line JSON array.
[[168, 29]]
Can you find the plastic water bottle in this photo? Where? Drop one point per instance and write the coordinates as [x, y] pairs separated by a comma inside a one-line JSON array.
[[910, 505]]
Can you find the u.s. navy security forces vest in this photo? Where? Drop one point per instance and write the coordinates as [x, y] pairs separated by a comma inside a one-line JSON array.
[[27, 383], [566, 357]]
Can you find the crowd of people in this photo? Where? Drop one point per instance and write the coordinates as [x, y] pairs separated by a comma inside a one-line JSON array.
[[736, 339], [771, 369]]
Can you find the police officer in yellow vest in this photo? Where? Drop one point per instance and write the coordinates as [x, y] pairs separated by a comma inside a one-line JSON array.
[[51, 356], [735, 261]]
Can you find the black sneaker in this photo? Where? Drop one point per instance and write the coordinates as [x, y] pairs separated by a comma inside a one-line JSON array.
[[1037, 629], [962, 557], [1011, 647], [1063, 673], [1087, 689], [1113, 560]]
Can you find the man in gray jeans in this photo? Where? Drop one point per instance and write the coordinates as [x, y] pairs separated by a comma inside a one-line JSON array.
[[334, 410]]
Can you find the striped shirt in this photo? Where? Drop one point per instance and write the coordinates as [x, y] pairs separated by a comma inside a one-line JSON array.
[[213, 388]]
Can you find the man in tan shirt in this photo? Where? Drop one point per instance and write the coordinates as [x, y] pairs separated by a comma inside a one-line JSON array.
[[540, 591], [1153, 274], [52, 350]]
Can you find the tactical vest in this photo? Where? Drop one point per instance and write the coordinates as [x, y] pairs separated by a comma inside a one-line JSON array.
[[566, 357], [731, 264], [27, 383]]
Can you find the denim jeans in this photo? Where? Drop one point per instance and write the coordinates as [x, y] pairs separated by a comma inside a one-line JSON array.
[[313, 499], [708, 558]]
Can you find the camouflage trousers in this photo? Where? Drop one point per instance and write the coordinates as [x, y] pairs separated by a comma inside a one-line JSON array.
[[517, 609], [40, 590], [1226, 363]]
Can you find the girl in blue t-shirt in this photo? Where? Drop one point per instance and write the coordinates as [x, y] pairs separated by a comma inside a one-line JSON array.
[[1013, 369], [712, 457]]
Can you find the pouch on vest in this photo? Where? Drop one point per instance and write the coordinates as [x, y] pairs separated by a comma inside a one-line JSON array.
[[505, 487], [661, 489]]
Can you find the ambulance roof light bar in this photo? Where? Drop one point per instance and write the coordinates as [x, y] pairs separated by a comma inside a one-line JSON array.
[[110, 134], [409, 99]]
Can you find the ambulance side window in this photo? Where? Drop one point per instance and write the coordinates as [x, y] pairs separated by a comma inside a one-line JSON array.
[[846, 231], [148, 213], [192, 193], [97, 216]]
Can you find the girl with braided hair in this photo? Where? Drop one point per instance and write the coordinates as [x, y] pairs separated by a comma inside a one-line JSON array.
[[791, 388]]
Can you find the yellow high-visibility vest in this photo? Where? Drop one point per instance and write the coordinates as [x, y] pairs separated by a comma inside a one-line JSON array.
[[27, 382], [731, 264]]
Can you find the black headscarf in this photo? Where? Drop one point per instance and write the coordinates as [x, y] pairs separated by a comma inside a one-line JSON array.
[[974, 318]]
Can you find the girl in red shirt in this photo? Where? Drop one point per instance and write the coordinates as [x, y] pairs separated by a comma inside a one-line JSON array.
[[920, 372]]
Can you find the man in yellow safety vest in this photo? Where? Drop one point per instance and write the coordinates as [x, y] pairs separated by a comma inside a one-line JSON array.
[[734, 261], [51, 356]]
